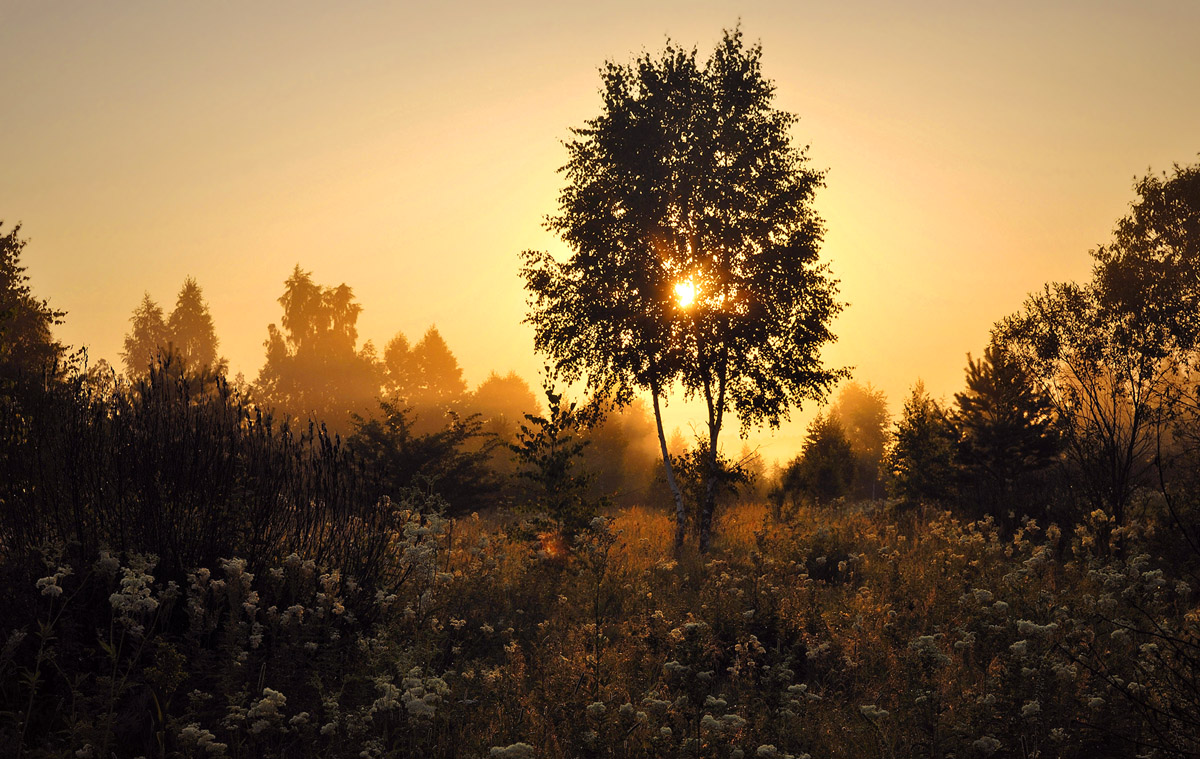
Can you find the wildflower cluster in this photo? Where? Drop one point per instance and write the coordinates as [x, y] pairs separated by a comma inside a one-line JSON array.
[[852, 636]]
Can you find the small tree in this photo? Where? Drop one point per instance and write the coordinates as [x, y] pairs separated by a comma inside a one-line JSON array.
[[695, 474], [548, 451], [451, 461], [1007, 428], [826, 467], [920, 461], [190, 331], [689, 214]]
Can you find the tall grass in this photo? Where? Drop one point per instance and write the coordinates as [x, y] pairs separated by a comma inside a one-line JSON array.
[[184, 468]]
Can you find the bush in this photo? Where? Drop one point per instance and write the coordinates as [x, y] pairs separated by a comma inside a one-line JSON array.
[[182, 469]]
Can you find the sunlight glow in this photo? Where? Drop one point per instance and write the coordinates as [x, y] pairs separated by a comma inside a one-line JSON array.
[[685, 292]]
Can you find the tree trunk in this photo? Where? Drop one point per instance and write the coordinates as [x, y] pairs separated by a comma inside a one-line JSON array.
[[680, 513], [710, 487], [710, 501]]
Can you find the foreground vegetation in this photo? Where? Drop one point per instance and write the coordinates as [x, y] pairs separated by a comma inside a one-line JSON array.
[[356, 557], [860, 633]]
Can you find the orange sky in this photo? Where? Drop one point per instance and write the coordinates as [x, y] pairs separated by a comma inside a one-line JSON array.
[[974, 151]]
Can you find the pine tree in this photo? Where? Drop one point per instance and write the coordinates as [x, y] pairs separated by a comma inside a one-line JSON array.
[[192, 336], [147, 339], [399, 369], [920, 463], [1006, 426], [825, 468], [439, 380]]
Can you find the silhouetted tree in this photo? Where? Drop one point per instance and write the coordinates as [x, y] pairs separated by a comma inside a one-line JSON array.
[[147, 338], [1112, 355], [548, 454], [502, 402], [439, 382], [451, 461], [28, 350], [1108, 386], [825, 469], [313, 369], [920, 462], [694, 243], [862, 412], [1149, 275], [695, 476], [191, 333], [399, 369], [1007, 428]]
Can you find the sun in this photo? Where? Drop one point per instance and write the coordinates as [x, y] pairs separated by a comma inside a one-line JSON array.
[[685, 292]]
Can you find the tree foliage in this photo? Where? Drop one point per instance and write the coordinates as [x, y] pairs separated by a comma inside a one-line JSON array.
[[862, 412], [399, 370], [694, 247], [439, 382], [548, 452], [190, 330], [451, 461], [1007, 427], [188, 334], [920, 462], [826, 467], [147, 338], [1148, 277], [1113, 355], [28, 349], [695, 474], [314, 369]]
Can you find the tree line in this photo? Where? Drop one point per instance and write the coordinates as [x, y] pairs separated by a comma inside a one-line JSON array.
[[1084, 399]]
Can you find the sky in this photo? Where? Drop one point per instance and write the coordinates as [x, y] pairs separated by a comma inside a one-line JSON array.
[[974, 151]]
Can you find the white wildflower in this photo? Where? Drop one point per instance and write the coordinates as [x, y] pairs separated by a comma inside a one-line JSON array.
[[987, 745], [872, 712], [266, 711], [512, 751], [49, 586], [1031, 709]]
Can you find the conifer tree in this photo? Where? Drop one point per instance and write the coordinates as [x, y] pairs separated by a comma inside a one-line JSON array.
[[825, 468], [439, 381], [190, 327], [1007, 427], [147, 338], [920, 462]]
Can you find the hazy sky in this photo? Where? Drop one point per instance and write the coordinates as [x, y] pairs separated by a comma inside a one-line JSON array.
[[410, 150]]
